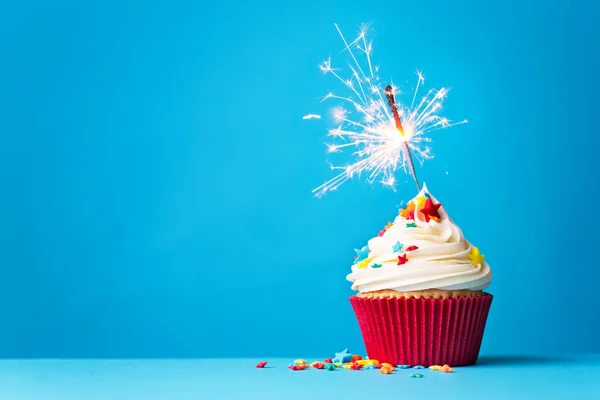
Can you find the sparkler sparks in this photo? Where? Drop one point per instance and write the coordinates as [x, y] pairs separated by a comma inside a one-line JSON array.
[[382, 132], [311, 116]]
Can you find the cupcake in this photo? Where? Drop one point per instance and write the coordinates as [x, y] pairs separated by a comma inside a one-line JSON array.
[[420, 284]]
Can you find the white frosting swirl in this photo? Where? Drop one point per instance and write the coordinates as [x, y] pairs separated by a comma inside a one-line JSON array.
[[443, 260]]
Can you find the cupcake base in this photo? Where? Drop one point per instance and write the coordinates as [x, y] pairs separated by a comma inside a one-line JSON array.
[[423, 331]]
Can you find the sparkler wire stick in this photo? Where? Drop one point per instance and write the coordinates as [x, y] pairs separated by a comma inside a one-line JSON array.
[[389, 93]]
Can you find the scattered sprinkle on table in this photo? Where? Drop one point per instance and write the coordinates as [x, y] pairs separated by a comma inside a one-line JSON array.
[[446, 368]]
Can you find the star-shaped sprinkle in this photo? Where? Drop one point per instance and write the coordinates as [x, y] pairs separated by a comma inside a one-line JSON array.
[[405, 211], [376, 266], [475, 257], [411, 248], [342, 357], [420, 201], [381, 232], [411, 225], [389, 225], [446, 368], [364, 263], [361, 254], [397, 247], [402, 259], [430, 210], [411, 215]]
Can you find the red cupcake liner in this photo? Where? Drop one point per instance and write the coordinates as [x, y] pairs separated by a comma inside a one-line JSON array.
[[423, 331]]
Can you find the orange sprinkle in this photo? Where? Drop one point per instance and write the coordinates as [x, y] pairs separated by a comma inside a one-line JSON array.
[[386, 371], [446, 368], [356, 358], [405, 211]]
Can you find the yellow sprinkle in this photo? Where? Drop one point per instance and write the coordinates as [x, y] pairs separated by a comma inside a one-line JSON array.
[[338, 364], [364, 263], [367, 362], [346, 366], [389, 225], [299, 361], [475, 257], [435, 367], [420, 201]]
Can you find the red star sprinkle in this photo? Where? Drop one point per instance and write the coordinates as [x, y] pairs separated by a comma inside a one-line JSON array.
[[430, 210], [261, 364], [402, 259], [381, 232], [297, 367], [411, 214], [411, 248], [328, 360]]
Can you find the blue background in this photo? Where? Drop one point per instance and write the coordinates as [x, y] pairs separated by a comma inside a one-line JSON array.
[[157, 174]]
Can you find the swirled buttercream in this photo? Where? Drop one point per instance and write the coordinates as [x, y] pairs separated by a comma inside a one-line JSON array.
[[422, 249]]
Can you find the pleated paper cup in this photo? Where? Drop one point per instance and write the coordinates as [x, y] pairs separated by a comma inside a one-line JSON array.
[[424, 331]]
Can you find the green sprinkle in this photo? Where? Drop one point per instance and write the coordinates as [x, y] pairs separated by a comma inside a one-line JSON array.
[[411, 225], [415, 376], [376, 266]]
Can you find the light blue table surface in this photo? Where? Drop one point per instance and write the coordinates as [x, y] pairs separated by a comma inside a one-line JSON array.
[[495, 377]]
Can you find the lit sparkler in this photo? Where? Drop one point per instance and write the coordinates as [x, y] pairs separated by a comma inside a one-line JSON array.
[[389, 93], [386, 132]]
